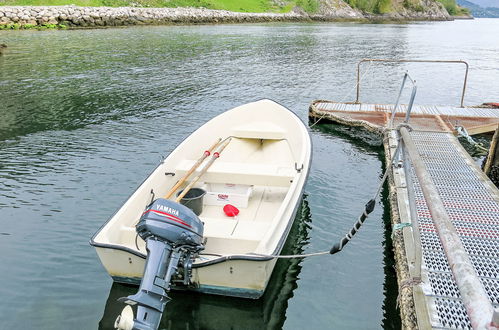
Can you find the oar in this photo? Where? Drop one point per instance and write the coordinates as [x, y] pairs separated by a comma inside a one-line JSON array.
[[215, 156], [193, 168]]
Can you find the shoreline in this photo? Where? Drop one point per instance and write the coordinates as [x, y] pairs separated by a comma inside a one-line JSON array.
[[15, 17]]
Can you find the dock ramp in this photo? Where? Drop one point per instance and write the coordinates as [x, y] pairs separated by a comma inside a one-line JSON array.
[[428, 292]]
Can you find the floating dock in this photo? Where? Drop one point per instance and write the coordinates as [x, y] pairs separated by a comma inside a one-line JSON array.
[[430, 293]]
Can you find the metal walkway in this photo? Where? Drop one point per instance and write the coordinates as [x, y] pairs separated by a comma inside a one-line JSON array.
[[469, 198], [472, 203]]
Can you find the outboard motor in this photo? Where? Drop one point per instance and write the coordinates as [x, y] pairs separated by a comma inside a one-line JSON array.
[[173, 236]]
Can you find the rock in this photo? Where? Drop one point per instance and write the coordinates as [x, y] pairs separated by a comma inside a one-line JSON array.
[[329, 10]]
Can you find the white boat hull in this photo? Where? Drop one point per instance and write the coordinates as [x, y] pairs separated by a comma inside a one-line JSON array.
[[276, 152], [237, 278]]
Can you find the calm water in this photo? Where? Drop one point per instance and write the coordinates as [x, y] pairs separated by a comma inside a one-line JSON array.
[[86, 115]]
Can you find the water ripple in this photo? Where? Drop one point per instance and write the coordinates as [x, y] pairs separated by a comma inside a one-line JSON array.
[[84, 123]]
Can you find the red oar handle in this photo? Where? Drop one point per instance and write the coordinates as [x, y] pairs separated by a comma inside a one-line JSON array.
[[215, 156]]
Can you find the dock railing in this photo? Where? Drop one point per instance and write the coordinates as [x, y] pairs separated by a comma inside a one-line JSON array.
[[412, 61]]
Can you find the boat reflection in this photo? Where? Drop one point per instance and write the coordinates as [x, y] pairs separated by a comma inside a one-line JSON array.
[[191, 310]]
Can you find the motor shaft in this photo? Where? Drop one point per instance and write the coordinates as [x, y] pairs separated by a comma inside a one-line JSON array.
[[151, 299]]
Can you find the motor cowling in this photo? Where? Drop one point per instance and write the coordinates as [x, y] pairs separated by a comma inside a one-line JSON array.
[[172, 222], [173, 234]]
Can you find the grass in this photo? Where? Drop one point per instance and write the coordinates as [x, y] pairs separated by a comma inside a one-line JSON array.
[[413, 5], [16, 26], [384, 6], [453, 9], [372, 6], [52, 2], [250, 6], [310, 6]]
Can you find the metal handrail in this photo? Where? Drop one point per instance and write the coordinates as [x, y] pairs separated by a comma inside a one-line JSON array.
[[411, 101], [478, 306], [416, 236], [412, 61]]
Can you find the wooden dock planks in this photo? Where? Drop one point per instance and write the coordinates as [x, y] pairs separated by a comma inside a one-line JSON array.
[[476, 120]]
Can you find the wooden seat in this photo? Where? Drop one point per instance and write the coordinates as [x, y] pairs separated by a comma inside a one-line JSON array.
[[243, 173], [259, 130], [228, 234]]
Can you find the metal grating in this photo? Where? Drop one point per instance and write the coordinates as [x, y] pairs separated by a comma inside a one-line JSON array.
[[443, 285], [446, 307], [454, 193], [471, 201], [436, 261], [472, 245], [474, 211], [480, 220], [492, 289]]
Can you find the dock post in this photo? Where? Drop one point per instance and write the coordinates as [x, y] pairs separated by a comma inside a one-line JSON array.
[[491, 167]]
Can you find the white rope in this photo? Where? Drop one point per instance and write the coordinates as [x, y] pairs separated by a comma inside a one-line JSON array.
[[265, 256], [293, 255], [464, 133], [348, 235]]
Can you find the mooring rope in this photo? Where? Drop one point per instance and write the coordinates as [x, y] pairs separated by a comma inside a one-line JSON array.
[[461, 131], [398, 226], [291, 256], [406, 284], [369, 207]]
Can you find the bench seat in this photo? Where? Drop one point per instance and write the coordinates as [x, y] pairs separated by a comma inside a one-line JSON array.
[[229, 236], [242, 173], [259, 130]]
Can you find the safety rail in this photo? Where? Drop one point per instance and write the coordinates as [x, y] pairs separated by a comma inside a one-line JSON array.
[[404, 161], [411, 101], [412, 61]]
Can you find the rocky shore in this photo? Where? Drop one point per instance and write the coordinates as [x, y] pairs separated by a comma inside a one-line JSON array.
[[73, 16]]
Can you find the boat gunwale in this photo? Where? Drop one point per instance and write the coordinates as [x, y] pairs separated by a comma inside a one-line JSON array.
[[248, 257]]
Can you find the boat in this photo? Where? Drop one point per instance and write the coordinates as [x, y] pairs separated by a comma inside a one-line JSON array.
[[261, 173], [252, 314]]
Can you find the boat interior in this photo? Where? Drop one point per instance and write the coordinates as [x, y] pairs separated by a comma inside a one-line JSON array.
[[265, 167]]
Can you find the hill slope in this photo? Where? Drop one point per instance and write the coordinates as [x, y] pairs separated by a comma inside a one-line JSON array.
[[486, 3], [316, 9], [478, 11]]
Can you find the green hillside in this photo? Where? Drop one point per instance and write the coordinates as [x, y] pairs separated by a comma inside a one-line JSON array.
[[254, 6], [372, 6], [453, 8]]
